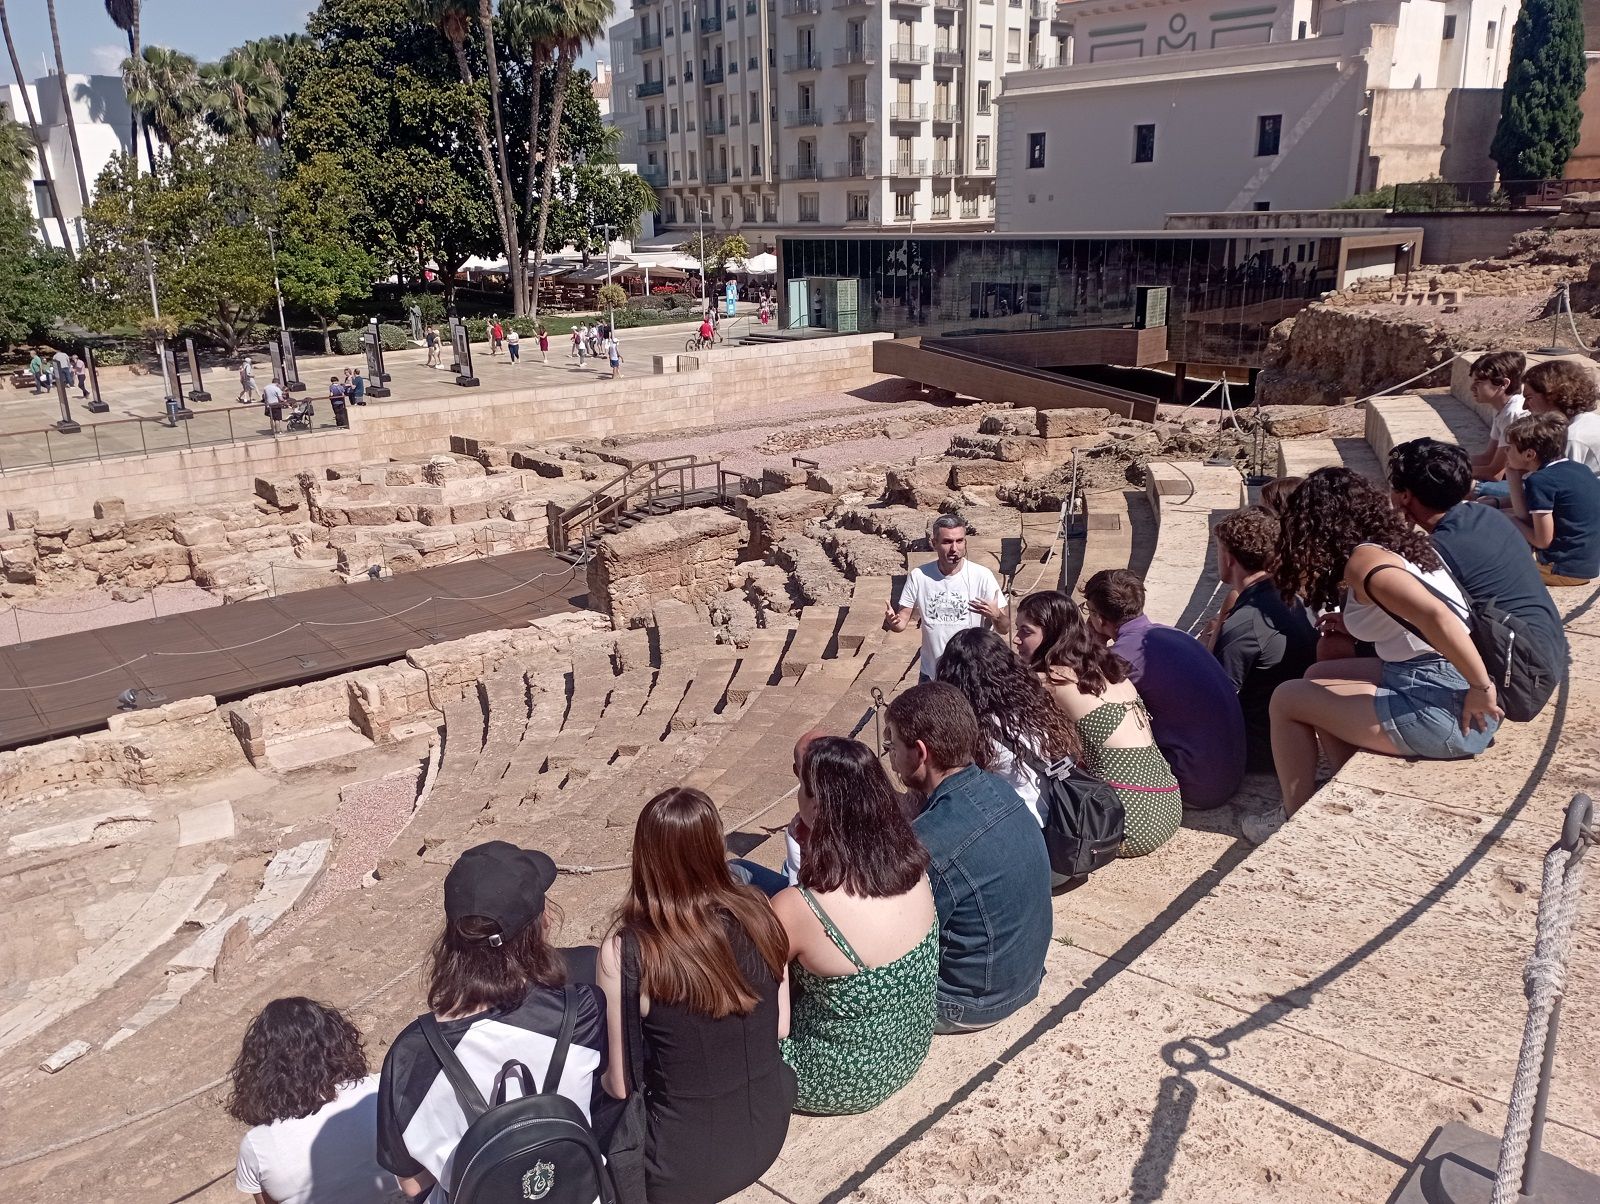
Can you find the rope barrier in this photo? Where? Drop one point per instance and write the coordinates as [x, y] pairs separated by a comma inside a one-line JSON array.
[[1564, 302], [1409, 381]]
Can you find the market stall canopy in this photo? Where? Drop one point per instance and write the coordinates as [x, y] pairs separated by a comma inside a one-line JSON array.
[[764, 264], [598, 273], [655, 271]]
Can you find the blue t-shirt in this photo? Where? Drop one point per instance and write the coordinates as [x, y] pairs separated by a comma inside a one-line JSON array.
[[1570, 493], [1482, 547]]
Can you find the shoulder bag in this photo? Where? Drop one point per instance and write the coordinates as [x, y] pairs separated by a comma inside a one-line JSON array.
[[625, 1156]]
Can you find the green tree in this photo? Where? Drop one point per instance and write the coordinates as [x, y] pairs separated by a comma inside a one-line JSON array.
[[715, 251], [124, 15], [16, 159], [164, 85], [240, 98], [322, 267], [1539, 113], [204, 212], [38, 285]]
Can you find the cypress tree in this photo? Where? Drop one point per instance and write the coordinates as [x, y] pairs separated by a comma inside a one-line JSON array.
[[1539, 113]]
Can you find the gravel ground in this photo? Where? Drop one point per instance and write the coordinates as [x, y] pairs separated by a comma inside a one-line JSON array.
[[64, 614]]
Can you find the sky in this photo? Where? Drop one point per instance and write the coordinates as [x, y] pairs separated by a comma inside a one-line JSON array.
[[207, 29]]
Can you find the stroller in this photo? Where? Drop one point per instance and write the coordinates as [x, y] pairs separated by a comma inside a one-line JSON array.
[[300, 415]]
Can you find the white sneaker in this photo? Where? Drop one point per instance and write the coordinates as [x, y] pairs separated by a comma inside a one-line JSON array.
[[1258, 826]]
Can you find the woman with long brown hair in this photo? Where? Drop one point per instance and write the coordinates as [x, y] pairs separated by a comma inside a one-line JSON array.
[[1427, 692], [713, 1002]]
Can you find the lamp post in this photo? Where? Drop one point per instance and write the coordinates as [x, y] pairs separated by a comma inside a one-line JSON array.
[[150, 271], [272, 246], [699, 210]]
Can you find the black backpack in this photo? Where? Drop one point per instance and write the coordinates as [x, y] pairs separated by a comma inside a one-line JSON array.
[[1084, 821], [531, 1147], [1522, 666]]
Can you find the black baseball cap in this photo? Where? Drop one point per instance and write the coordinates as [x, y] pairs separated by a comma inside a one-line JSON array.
[[500, 882]]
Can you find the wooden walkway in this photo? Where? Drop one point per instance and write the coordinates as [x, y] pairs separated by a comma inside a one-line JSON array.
[[70, 683]]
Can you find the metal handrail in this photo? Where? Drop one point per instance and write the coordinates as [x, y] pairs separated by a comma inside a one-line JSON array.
[[586, 518]]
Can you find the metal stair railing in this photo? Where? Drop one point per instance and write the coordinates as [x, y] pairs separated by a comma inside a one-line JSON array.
[[671, 482]]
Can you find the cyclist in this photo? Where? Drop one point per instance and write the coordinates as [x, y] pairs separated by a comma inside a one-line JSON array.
[[707, 331]]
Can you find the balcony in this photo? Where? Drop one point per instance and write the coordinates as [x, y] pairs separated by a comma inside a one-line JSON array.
[[716, 175], [946, 114], [844, 4], [650, 87], [656, 177], [946, 167], [714, 125], [648, 41], [711, 75], [951, 5], [856, 114], [908, 168], [855, 54], [855, 169], [711, 24], [637, 4], [1040, 62], [649, 137], [1041, 10], [905, 110], [799, 117], [969, 210], [806, 60], [733, 66], [754, 64], [908, 54], [944, 56], [801, 8], [803, 171]]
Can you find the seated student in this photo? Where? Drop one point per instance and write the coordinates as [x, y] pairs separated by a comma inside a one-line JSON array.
[[1193, 706], [1271, 499], [301, 1079], [1089, 682], [713, 1003], [496, 987], [863, 936], [1497, 383], [988, 865], [1427, 696], [1263, 640], [1428, 483], [1555, 502], [1565, 388]]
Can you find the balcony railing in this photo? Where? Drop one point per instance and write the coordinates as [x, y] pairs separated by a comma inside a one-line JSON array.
[[863, 214], [644, 3], [910, 3], [806, 60], [949, 4], [946, 167], [908, 52], [715, 125], [985, 107], [803, 171], [908, 167], [1013, 56], [841, 4], [865, 53], [650, 87], [856, 114], [648, 41], [942, 214], [944, 56], [810, 215], [796, 117], [1041, 10], [656, 177], [711, 75], [1040, 62], [711, 24], [905, 110], [649, 136], [969, 209], [946, 114], [855, 169], [716, 175], [801, 8]]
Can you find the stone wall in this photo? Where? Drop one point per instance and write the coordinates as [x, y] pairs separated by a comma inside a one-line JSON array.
[[1330, 352], [687, 556]]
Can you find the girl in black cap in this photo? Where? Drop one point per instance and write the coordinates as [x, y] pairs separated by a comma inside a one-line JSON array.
[[495, 987]]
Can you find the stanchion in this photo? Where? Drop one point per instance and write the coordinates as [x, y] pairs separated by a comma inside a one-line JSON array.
[[462, 346], [373, 346], [198, 391], [283, 358], [66, 425], [96, 404]]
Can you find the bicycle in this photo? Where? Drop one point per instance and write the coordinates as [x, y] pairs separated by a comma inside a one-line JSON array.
[[695, 343]]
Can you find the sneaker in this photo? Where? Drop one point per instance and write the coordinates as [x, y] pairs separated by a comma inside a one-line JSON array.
[[1257, 826]]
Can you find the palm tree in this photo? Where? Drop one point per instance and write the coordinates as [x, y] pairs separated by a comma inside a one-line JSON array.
[[124, 15], [16, 159], [454, 19], [66, 107], [238, 98], [165, 85], [576, 24], [530, 30], [33, 128]]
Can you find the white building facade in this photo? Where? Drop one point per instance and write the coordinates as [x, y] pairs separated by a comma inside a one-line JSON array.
[[1165, 106], [104, 125], [841, 113]]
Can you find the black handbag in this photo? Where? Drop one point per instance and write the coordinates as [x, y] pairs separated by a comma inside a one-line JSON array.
[[625, 1156], [1084, 820]]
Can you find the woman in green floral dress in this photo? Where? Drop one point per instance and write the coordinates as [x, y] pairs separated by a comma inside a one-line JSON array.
[[863, 936]]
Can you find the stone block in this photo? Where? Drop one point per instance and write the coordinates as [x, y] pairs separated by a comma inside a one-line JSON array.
[[24, 518], [251, 733], [440, 469], [402, 474], [470, 512], [1290, 422], [1059, 424], [778, 477], [197, 531], [967, 473], [434, 516], [78, 536], [1024, 420], [110, 509]]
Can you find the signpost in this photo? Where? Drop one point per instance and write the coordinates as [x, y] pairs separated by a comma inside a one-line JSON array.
[[198, 393], [95, 404], [171, 383], [284, 347], [372, 342], [463, 350], [66, 426]]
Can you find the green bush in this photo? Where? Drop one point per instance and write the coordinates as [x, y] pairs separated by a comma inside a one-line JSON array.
[[430, 305], [112, 357], [394, 338], [612, 296]]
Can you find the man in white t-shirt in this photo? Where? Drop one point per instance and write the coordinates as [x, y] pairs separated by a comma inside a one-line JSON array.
[[949, 595]]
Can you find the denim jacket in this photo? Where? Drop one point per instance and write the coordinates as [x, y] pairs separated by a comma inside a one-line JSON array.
[[991, 885]]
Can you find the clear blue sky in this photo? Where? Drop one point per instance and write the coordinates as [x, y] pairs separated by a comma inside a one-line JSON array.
[[206, 29]]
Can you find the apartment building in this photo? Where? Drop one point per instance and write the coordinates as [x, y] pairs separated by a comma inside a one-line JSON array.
[[839, 113]]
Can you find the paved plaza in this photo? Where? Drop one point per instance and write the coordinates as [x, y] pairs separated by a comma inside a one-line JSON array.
[[137, 423]]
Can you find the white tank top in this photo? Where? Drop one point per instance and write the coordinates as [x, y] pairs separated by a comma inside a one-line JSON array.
[[1368, 621]]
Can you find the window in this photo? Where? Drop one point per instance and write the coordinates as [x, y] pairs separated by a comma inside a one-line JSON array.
[[673, 117], [1449, 28], [41, 201], [1268, 130], [905, 204], [941, 204], [755, 106], [727, 208], [686, 18], [755, 160], [810, 207], [1035, 150], [860, 207], [1261, 207], [983, 152], [983, 97], [694, 171], [748, 207], [1013, 45], [1489, 34], [986, 43], [672, 212], [1144, 144]]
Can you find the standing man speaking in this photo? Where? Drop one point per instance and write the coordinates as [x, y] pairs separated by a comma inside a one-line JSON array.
[[949, 595]]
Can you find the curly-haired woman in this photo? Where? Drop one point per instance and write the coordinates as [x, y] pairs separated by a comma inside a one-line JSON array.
[[1090, 683], [1427, 692], [301, 1080]]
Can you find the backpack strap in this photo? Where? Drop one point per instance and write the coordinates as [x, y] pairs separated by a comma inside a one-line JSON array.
[[467, 1093], [558, 1056], [632, 1025], [1366, 588]]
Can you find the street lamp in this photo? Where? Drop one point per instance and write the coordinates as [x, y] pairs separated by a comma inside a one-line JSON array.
[[272, 246], [699, 211], [150, 271]]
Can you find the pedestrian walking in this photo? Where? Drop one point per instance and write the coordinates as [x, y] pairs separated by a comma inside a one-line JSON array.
[[513, 344], [580, 345], [497, 335], [431, 338], [336, 399], [36, 370], [80, 373], [272, 404], [614, 355], [247, 380], [544, 344], [61, 368]]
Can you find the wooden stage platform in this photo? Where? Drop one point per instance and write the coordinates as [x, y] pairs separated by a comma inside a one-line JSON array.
[[70, 683]]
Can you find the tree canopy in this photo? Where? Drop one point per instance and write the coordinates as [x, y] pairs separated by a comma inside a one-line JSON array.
[[1539, 113]]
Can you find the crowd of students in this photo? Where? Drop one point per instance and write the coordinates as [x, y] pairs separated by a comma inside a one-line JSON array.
[[922, 907]]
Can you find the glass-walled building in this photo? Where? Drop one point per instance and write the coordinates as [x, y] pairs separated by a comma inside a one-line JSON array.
[[1226, 289]]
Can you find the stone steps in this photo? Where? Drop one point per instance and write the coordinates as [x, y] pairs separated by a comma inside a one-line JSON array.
[[1181, 586], [1433, 413], [1302, 457]]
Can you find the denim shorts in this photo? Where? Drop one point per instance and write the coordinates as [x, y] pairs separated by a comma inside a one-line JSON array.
[[1419, 706]]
